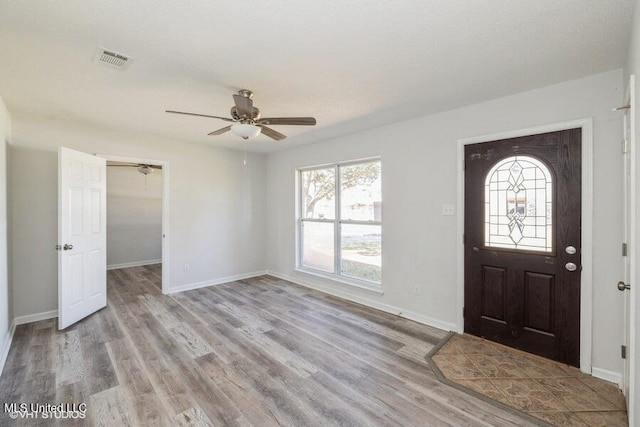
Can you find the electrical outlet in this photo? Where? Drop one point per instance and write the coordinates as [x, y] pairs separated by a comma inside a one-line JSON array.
[[448, 210], [416, 289], [186, 267]]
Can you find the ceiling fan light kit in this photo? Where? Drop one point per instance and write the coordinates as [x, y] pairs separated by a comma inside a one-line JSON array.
[[246, 130], [247, 119], [145, 169]]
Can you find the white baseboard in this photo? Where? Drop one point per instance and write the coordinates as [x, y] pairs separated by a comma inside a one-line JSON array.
[[204, 284], [7, 345], [30, 318], [603, 374], [133, 264], [416, 317]]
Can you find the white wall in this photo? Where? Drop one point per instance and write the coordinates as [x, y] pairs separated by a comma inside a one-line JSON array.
[[632, 66], [419, 176], [5, 307], [216, 206], [33, 228], [134, 216]]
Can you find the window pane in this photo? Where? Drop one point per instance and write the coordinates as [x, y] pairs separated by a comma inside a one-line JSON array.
[[361, 192], [317, 241], [519, 205], [361, 251], [318, 193]]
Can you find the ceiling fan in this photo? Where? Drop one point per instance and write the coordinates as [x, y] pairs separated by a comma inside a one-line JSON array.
[[143, 168], [247, 121]]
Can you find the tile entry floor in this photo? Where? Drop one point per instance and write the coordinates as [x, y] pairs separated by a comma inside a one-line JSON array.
[[559, 394]]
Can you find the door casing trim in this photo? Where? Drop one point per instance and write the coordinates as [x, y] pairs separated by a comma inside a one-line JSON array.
[[586, 277]]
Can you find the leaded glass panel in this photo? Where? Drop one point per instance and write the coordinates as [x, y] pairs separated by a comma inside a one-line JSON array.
[[519, 205]]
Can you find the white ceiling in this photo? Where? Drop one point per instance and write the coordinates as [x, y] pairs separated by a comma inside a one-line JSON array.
[[352, 64]]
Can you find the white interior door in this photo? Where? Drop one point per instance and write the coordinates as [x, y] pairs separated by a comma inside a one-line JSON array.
[[630, 278], [82, 256], [628, 213]]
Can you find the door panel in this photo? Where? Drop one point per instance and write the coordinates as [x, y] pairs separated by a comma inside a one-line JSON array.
[[522, 209], [493, 293], [82, 236], [539, 302]]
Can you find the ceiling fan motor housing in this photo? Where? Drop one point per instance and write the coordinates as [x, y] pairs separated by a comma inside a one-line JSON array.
[[255, 115]]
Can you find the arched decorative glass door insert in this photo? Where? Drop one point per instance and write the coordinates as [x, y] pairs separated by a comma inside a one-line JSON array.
[[519, 205]]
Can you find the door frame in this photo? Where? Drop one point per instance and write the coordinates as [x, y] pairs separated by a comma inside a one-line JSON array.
[[586, 279], [165, 208]]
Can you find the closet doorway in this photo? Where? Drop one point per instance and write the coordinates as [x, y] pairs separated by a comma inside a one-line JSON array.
[[137, 217]]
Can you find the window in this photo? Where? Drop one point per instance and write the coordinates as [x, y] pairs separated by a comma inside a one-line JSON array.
[[341, 221], [519, 205]]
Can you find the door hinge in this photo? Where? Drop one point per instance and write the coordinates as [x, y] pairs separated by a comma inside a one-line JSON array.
[[464, 239], [623, 351], [625, 146], [464, 164], [464, 312], [624, 249]]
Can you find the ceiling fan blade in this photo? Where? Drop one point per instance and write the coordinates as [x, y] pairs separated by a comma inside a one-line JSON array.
[[244, 105], [135, 165], [272, 133], [301, 121], [220, 131], [226, 119]]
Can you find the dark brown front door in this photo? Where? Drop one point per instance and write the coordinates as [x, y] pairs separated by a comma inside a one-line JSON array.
[[522, 243]]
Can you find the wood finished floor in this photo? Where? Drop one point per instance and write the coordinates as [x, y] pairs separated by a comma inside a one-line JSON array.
[[256, 352]]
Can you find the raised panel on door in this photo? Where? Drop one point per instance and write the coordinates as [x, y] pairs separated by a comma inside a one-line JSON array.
[[539, 305], [494, 282], [76, 212], [75, 268], [95, 215], [95, 283]]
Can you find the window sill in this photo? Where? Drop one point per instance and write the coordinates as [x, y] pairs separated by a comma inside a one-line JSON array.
[[343, 280]]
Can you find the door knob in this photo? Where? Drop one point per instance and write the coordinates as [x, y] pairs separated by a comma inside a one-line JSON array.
[[67, 247], [623, 286], [571, 266]]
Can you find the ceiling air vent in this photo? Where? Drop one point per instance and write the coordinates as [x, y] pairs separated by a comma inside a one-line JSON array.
[[113, 59]]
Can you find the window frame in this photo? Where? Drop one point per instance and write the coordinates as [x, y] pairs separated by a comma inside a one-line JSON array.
[[337, 226]]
